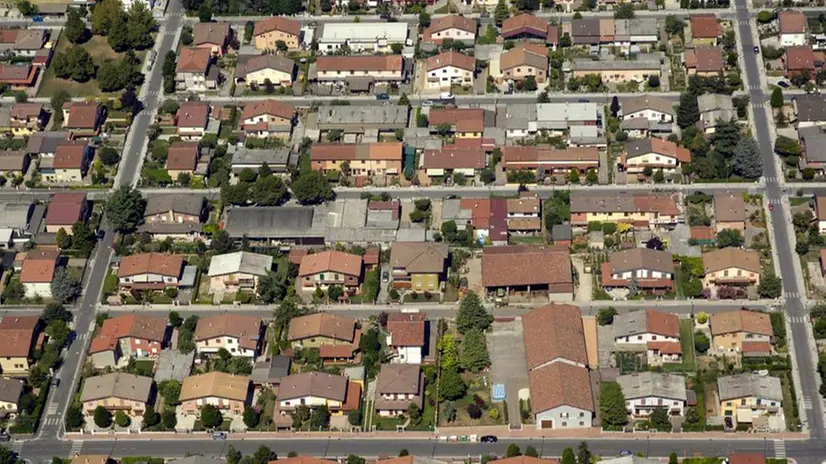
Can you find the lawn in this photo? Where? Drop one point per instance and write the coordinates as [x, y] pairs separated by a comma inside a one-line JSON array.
[[527, 240], [687, 344], [475, 388]]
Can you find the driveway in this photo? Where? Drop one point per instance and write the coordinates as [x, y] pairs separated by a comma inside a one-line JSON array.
[[584, 291], [509, 366]]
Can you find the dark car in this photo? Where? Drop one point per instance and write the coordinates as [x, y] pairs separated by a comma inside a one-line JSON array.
[[624, 453], [489, 439], [55, 382], [382, 96], [584, 100], [756, 49]]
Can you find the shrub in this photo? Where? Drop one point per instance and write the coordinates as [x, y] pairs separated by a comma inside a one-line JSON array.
[[474, 411]]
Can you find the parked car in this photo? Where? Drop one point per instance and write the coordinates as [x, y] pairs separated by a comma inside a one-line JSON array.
[[446, 96], [219, 435], [488, 439], [427, 103], [783, 83], [55, 382], [624, 453], [382, 96], [756, 49], [385, 276], [4, 437]]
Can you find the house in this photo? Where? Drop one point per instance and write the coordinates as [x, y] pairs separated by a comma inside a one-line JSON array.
[[642, 268], [360, 119], [559, 118], [22, 119], [820, 212], [560, 389], [729, 212], [813, 147], [229, 393], [117, 391], [213, 36], [792, 28], [648, 210], [552, 40], [150, 271], [731, 266], [373, 159], [742, 458], [714, 108], [375, 37], [269, 371], [549, 160], [256, 71], [128, 336], [268, 32], [239, 335], [406, 337], [585, 31], [44, 144], [800, 61], [68, 165], [525, 59], [639, 32], [98, 459], [321, 270], [744, 396], [488, 218], [232, 272], [64, 210], [277, 225], [194, 71], [20, 221], [525, 26], [644, 326], [19, 76], [318, 329], [513, 269], [450, 68], [279, 160], [562, 234], [192, 119], [397, 387], [175, 216], [705, 61], [646, 391], [338, 393], [738, 330], [810, 110], [18, 335], [524, 215], [450, 160], [37, 272], [464, 122], [11, 390], [653, 153], [182, 158], [386, 68], [705, 30], [82, 119], [618, 71], [269, 118], [421, 267], [453, 27], [649, 107], [22, 42]]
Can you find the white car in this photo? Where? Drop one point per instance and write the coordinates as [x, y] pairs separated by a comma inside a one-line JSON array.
[[446, 96]]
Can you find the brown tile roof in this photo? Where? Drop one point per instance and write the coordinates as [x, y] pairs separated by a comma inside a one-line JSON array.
[[799, 58], [277, 23], [741, 320], [385, 151], [182, 156], [316, 384], [708, 59], [515, 156], [418, 258], [554, 332], [737, 458], [65, 208], [553, 35], [560, 384], [193, 115], [524, 205], [726, 258], [343, 351], [454, 59], [587, 202], [322, 325], [217, 384], [17, 334], [257, 63], [662, 323], [702, 233], [792, 22], [507, 266], [247, 329], [12, 160], [525, 54], [69, 155], [193, 60], [39, 266], [268, 107], [391, 151], [151, 263], [634, 104], [705, 26], [117, 385], [659, 146], [524, 23], [641, 258], [665, 347], [359, 63], [820, 207], [210, 33], [26, 110], [453, 22], [330, 261], [140, 326], [82, 115], [464, 119], [729, 207], [399, 379], [406, 329], [451, 157]]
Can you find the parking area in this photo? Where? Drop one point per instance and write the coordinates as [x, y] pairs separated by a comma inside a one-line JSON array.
[[509, 364], [173, 365]]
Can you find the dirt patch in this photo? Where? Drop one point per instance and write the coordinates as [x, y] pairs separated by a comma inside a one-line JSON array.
[[474, 275]]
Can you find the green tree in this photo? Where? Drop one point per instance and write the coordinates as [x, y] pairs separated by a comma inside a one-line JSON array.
[[312, 188], [672, 458], [150, 417], [74, 417], [472, 314], [65, 286], [701, 342], [659, 417], [777, 98], [404, 452], [58, 99], [210, 416], [591, 177], [102, 417], [748, 160], [108, 156], [513, 451], [474, 351], [424, 19], [500, 13], [786, 146], [689, 111], [320, 418], [124, 209], [605, 316], [729, 238], [355, 417], [251, 417], [249, 30], [449, 352], [531, 451], [168, 419], [75, 64], [568, 456], [205, 13], [612, 405], [63, 239], [301, 414], [770, 286], [107, 16], [583, 453], [171, 392], [74, 28], [625, 11], [451, 385], [122, 419], [269, 191]]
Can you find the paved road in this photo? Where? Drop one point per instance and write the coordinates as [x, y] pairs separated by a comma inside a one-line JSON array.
[[418, 100]]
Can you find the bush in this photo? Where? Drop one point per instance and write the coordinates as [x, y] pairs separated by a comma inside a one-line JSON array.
[[702, 317], [494, 413], [474, 411]]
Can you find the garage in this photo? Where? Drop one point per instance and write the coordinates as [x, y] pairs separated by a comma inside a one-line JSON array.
[[546, 424]]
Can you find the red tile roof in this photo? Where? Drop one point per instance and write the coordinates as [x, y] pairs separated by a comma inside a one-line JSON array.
[[553, 333], [705, 26], [82, 115], [140, 326], [154, 263], [268, 107], [65, 208], [182, 156], [406, 329], [193, 60], [511, 266], [39, 266], [193, 115], [70, 155], [277, 23], [454, 59]]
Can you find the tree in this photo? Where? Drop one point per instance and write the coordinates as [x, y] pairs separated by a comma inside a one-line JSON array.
[[171, 392], [75, 64], [55, 312], [312, 188], [615, 106], [249, 30], [701, 342], [568, 456], [222, 242], [102, 417], [65, 286], [334, 292], [404, 452], [251, 417], [777, 98], [108, 156], [150, 417], [583, 453], [474, 354], [531, 451], [205, 13], [770, 286], [27, 8], [451, 385], [592, 176], [107, 16], [748, 161], [672, 458], [501, 13], [211, 416], [625, 11], [124, 209], [689, 112], [122, 419], [729, 238], [529, 83], [653, 81], [355, 417], [449, 352], [414, 412], [424, 19], [605, 316], [269, 191], [513, 451], [659, 417], [63, 239], [319, 418], [612, 405], [168, 419], [786, 146], [472, 315], [57, 101], [301, 414], [75, 28]]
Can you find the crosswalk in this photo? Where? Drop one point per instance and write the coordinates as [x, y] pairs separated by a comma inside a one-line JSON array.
[[791, 295], [17, 446], [52, 409], [77, 447], [774, 201], [53, 421], [807, 402], [770, 179], [798, 319], [755, 87], [780, 449]]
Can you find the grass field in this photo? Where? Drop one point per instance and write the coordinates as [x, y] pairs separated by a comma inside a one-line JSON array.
[[100, 51]]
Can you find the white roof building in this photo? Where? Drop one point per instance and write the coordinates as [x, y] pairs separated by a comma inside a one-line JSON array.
[[240, 262]]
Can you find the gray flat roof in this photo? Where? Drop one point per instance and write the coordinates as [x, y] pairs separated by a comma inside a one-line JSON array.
[[275, 222], [584, 64], [388, 115], [245, 157]]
